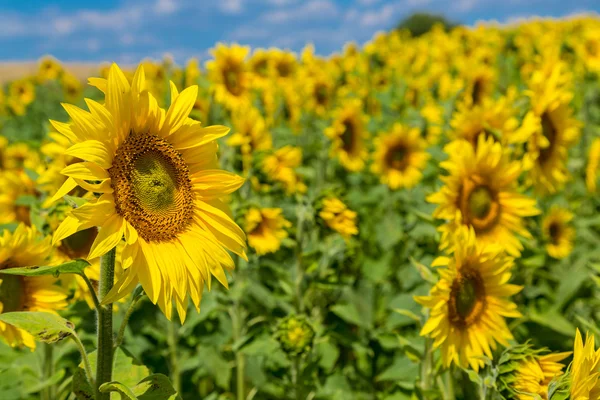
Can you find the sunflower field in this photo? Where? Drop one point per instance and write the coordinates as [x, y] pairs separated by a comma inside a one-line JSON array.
[[415, 218]]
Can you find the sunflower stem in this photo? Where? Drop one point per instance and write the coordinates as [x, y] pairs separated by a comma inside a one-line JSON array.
[[91, 289], [130, 310], [48, 370], [84, 358], [299, 270], [105, 324]]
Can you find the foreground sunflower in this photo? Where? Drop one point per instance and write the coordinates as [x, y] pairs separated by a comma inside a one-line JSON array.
[[585, 369], [469, 303], [400, 157], [155, 171], [558, 232], [481, 192], [266, 228], [26, 247], [534, 374]]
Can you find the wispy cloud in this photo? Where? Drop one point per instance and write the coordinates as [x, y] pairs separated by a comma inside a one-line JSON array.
[[314, 9]]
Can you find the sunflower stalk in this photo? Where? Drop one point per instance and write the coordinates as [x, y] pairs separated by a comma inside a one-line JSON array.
[[48, 371], [426, 366], [105, 324]]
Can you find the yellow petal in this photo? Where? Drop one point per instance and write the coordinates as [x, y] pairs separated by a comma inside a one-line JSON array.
[[85, 170], [93, 151], [109, 235], [216, 183], [179, 110]]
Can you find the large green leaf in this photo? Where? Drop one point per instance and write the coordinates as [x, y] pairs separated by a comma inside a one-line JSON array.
[[71, 267], [45, 327]]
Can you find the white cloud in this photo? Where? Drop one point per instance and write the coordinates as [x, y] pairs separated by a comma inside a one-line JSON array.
[[315, 9], [367, 2], [165, 6], [381, 17], [231, 6], [465, 5]]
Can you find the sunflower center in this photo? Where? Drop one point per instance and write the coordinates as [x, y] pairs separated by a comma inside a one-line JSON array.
[[260, 68], [480, 202], [467, 298], [79, 244], [152, 187], [397, 157], [477, 93], [284, 69], [321, 96], [22, 214], [349, 136], [555, 231], [231, 78], [12, 292], [592, 47], [549, 132]]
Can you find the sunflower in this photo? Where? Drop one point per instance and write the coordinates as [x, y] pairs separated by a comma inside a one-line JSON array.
[[348, 133], [558, 232], [251, 134], [556, 131], [284, 64], [49, 69], [281, 167], [25, 247], [15, 185], [192, 72], [400, 157], [155, 172], [320, 93], [230, 76], [534, 374], [433, 117], [19, 156], [71, 86], [469, 303], [22, 91], [591, 171], [266, 228], [481, 192], [585, 369], [261, 66], [339, 217]]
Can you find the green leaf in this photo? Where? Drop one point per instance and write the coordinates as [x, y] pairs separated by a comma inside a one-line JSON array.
[[71, 267], [45, 327], [74, 201], [349, 313], [153, 387]]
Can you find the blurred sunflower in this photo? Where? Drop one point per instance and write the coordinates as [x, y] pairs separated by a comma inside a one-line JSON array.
[[26, 247], [22, 91], [481, 192], [229, 75], [469, 304], [71, 86], [400, 157], [348, 133], [49, 69], [284, 64], [261, 66], [156, 173], [558, 232], [433, 118], [591, 171], [251, 134], [339, 217], [16, 185], [281, 167], [585, 369], [320, 93], [192, 72], [19, 156], [266, 228]]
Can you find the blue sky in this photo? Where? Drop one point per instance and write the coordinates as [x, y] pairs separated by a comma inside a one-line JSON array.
[[127, 31]]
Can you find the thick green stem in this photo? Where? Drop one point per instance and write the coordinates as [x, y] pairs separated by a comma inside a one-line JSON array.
[[84, 358], [296, 377], [48, 371], [105, 324], [237, 320], [172, 340], [299, 268]]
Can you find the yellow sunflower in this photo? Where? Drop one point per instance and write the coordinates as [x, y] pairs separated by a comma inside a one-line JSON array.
[[433, 116], [284, 64], [481, 191], [585, 369], [251, 134], [18, 156], [49, 69], [339, 217], [230, 76], [348, 133], [261, 66], [22, 91], [591, 171], [25, 247], [15, 184], [192, 72], [400, 157], [534, 374], [71, 86], [266, 228], [556, 131], [558, 232], [281, 167], [320, 92], [155, 170], [469, 304]]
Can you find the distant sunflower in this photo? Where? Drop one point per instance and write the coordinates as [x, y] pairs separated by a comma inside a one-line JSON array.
[[284, 64], [155, 171], [19, 156], [49, 69], [266, 228], [192, 72], [400, 157], [558, 232], [469, 304], [591, 171], [320, 93], [481, 192], [26, 247], [280, 166], [251, 134], [71, 86], [260, 64], [15, 184], [556, 131], [230, 76], [534, 374], [433, 116], [348, 133], [339, 217], [23, 91], [585, 369]]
